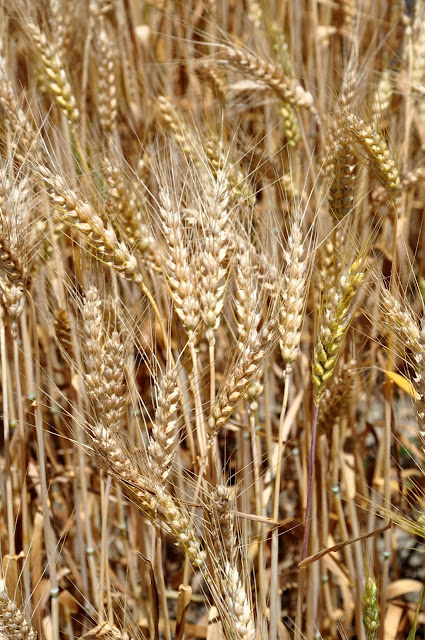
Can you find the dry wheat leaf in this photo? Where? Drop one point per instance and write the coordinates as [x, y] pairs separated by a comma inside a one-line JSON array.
[[403, 383], [401, 587], [392, 621], [183, 601], [215, 628]]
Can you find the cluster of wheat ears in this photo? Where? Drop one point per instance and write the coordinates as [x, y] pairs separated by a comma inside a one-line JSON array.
[[212, 329]]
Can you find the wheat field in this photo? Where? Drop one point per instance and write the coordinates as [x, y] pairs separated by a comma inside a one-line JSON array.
[[212, 327]]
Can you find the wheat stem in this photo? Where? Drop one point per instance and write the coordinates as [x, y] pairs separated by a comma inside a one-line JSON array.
[[310, 483], [51, 546]]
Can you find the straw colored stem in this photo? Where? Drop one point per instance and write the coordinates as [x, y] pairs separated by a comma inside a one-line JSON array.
[[310, 483]]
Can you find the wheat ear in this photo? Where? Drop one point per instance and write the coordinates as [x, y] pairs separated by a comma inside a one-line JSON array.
[[289, 91], [292, 300], [212, 268], [76, 212], [182, 278], [107, 83], [14, 268], [13, 625], [125, 215], [163, 439], [375, 148], [332, 330], [370, 608], [220, 515], [334, 325], [243, 380], [337, 396], [56, 76], [342, 166], [104, 363], [406, 329], [238, 604]]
